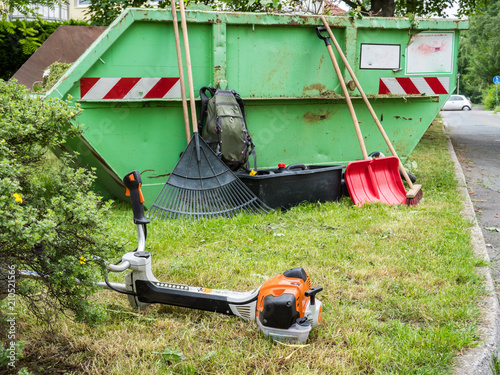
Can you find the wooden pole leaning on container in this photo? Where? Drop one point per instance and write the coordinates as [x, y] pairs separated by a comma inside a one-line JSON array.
[[414, 195], [192, 101], [181, 71]]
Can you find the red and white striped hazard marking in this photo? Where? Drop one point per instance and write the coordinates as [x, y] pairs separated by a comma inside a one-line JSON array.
[[414, 85], [129, 88]]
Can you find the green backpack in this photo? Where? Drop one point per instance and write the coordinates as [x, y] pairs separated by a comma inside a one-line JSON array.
[[223, 126]]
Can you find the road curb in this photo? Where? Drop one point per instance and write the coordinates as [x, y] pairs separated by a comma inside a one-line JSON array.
[[478, 360]]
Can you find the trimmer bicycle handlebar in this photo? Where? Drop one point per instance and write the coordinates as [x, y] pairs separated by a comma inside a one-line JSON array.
[[133, 184], [118, 267]]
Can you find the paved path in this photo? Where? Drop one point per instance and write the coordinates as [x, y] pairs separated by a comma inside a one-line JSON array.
[[476, 139], [475, 148]]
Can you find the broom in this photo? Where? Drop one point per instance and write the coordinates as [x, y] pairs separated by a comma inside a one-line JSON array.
[[201, 185], [415, 193]]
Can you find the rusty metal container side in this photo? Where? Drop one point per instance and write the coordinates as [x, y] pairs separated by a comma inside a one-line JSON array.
[[295, 110]]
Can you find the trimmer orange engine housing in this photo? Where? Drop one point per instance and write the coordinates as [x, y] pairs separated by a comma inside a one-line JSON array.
[[283, 300]]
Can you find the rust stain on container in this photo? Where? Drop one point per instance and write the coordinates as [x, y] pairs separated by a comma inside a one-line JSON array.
[[312, 118], [331, 94], [315, 87]]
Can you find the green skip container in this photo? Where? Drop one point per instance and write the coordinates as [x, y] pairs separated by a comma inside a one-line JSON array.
[[127, 83]]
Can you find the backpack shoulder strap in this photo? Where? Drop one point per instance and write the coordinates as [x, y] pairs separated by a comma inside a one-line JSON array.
[[252, 145], [204, 104], [240, 103], [252, 152]]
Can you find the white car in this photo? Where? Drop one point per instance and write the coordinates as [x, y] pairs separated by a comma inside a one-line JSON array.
[[457, 103]]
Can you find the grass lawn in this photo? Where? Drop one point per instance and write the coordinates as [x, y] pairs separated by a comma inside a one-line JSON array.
[[400, 290]]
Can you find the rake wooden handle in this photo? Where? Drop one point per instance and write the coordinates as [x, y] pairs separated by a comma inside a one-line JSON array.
[[181, 71], [188, 65], [370, 108]]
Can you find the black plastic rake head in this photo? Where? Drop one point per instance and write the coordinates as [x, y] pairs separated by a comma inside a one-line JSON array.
[[201, 185]]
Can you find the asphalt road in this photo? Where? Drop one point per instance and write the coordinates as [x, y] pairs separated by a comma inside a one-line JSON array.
[[475, 136]]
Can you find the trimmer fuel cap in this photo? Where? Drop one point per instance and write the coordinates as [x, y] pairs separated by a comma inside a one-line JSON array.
[[303, 322]]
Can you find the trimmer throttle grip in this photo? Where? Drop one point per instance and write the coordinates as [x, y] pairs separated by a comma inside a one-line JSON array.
[[312, 293], [133, 183], [325, 39]]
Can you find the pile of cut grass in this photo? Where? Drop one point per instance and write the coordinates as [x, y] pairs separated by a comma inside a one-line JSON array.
[[400, 290]]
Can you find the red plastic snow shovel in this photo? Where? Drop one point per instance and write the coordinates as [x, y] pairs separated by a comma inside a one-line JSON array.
[[414, 195], [375, 180], [368, 180]]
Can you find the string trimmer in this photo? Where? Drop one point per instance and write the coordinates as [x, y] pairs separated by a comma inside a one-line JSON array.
[[284, 307]]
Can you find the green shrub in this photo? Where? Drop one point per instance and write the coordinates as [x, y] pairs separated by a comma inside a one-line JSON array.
[[56, 71], [51, 223], [489, 97]]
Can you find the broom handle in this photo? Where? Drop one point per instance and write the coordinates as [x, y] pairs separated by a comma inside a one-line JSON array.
[[348, 100], [188, 64], [372, 112], [181, 71]]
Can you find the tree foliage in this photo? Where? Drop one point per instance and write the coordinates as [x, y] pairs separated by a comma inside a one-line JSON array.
[[20, 39], [51, 223], [25, 7], [414, 8], [103, 12], [479, 54]]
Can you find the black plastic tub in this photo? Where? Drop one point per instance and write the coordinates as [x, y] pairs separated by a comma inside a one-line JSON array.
[[287, 187]]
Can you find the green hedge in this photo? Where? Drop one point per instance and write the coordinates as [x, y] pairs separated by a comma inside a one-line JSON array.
[[20, 39], [490, 97]]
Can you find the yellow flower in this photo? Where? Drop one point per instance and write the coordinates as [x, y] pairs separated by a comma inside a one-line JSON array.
[[253, 173], [3, 140], [18, 197], [82, 260]]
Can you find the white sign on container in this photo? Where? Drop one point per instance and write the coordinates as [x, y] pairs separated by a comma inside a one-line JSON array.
[[380, 56], [430, 52]]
